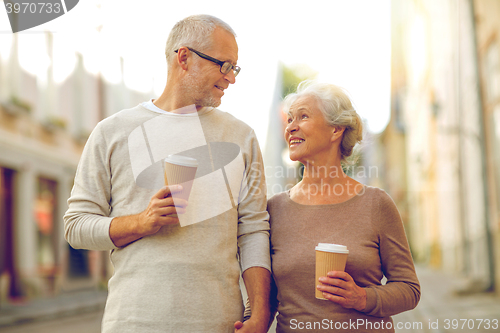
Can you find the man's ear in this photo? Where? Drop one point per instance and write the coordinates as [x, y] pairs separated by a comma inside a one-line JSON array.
[[182, 57], [337, 132]]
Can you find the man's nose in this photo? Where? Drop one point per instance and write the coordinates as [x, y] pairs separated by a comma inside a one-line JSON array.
[[230, 77]]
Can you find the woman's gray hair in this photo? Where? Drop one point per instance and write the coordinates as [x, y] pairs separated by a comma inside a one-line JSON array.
[[194, 31], [336, 106]]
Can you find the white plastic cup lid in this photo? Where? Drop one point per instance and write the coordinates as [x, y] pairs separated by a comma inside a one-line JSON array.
[[334, 248], [182, 160]]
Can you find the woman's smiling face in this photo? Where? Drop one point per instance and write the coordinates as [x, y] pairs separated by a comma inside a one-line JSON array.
[[307, 133]]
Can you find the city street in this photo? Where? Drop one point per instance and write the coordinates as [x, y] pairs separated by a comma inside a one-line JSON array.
[[84, 323], [440, 310], [405, 92]]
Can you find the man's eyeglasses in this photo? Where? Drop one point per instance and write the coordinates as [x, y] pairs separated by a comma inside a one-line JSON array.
[[225, 66]]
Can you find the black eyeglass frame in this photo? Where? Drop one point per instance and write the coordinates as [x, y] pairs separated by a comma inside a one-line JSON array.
[[235, 69]]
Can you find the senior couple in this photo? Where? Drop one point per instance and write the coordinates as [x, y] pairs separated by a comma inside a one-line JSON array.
[[173, 278]]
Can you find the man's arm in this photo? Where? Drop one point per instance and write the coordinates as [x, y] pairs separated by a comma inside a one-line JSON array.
[[127, 229], [258, 284], [253, 241], [87, 221]]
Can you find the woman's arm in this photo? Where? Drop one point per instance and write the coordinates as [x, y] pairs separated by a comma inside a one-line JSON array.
[[402, 290]]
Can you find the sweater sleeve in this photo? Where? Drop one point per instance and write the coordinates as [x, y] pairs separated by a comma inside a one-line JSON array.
[[87, 221], [402, 290], [253, 219]]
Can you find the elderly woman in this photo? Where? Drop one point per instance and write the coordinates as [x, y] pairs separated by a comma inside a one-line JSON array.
[[327, 206]]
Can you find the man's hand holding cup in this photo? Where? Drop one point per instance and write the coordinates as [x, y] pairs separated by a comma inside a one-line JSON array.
[[162, 210]]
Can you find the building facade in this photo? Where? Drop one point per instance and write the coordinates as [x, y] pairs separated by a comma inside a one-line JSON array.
[[487, 19], [45, 120], [436, 139]]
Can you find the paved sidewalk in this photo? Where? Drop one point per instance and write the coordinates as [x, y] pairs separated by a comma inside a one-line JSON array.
[[441, 309], [64, 305]]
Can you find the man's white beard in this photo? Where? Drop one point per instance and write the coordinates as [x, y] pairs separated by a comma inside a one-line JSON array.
[[200, 94]]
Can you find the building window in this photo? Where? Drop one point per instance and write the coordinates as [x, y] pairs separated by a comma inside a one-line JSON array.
[[7, 223], [78, 263], [496, 148], [45, 218], [492, 72], [492, 104]]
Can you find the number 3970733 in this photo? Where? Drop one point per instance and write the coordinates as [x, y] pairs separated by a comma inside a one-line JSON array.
[[472, 324], [33, 7]]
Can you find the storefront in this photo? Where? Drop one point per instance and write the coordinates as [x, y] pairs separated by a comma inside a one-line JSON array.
[[8, 273], [35, 259]]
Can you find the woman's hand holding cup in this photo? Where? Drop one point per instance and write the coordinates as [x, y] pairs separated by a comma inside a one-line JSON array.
[[339, 287]]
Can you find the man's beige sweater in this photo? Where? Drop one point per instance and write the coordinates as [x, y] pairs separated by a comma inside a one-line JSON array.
[[181, 279]]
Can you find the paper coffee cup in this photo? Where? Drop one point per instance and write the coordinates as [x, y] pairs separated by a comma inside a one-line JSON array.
[[180, 170], [329, 257]]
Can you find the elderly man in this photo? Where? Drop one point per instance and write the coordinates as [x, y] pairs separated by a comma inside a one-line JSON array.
[[177, 265]]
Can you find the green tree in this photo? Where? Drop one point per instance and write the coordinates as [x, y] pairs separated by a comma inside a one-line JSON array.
[[293, 75]]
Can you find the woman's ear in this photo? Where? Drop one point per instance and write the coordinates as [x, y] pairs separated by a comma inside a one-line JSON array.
[[337, 132]]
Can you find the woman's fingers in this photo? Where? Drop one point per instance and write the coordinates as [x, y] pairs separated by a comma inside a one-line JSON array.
[[337, 299], [340, 275], [334, 282], [343, 290], [332, 290]]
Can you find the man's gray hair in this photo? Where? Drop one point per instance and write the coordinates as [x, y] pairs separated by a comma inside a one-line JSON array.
[[194, 31]]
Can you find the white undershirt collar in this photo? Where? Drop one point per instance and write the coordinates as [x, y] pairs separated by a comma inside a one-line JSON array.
[[152, 107]]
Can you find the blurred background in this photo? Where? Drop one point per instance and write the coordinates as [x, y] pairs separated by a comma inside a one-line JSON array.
[[423, 74]]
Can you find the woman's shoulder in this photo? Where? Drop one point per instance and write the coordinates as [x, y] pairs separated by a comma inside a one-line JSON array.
[[278, 199], [376, 199], [280, 204], [281, 209], [384, 205], [375, 193]]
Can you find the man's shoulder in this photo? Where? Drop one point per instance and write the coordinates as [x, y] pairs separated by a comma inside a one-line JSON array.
[[229, 119], [136, 114], [119, 125], [128, 113]]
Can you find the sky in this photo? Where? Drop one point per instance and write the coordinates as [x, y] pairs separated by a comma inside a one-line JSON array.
[[347, 42]]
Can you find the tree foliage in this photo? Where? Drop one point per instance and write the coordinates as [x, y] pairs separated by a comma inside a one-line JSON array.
[[293, 75]]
